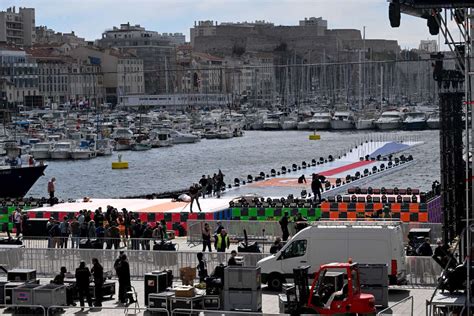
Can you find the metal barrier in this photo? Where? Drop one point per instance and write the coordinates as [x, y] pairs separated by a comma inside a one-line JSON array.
[[107, 243], [269, 230], [24, 306], [262, 231], [390, 308], [103, 310], [422, 271], [48, 262], [181, 311]]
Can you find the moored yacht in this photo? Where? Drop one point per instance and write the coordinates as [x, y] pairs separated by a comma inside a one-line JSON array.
[[320, 121], [272, 122], [389, 120], [342, 121], [61, 150], [365, 123], [415, 121], [183, 138], [123, 138], [41, 150], [433, 120]]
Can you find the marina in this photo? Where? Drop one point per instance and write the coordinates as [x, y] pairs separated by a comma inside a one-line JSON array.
[[260, 167]]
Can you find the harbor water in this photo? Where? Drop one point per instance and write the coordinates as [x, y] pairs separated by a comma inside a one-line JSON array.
[[174, 168]]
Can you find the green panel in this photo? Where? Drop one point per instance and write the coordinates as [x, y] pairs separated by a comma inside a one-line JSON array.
[[236, 212], [318, 213], [303, 211], [261, 218], [270, 212], [253, 211], [244, 218], [11, 209], [4, 218]]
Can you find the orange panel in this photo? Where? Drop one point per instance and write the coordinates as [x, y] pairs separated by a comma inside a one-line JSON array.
[[351, 215], [360, 207], [405, 217], [325, 206], [342, 207], [423, 217], [414, 207], [395, 207], [334, 215], [378, 206]]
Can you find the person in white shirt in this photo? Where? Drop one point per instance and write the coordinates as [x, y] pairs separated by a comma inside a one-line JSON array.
[[17, 221]]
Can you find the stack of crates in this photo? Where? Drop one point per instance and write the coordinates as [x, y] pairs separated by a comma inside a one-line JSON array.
[[242, 289], [374, 280]]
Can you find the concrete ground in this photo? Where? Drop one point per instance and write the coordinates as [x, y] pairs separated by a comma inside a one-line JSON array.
[[269, 300]]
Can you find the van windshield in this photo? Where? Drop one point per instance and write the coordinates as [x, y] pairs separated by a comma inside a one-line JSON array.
[[296, 249]]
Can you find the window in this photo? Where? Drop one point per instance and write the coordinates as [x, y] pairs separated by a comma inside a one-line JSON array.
[[296, 249]]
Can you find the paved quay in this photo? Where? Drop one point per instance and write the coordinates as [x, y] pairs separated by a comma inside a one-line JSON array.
[[270, 305]]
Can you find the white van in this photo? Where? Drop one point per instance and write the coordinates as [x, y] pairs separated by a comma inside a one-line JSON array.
[[326, 242]]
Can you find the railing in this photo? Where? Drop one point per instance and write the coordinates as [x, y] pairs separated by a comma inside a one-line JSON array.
[[269, 230], [105, 310], [390, 309], [24, 306], [422, 271], [107, 243], [48, 262]]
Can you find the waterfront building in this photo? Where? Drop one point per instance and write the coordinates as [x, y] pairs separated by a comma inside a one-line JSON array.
[[45, 35], [123, 72], [18, 27], [19, 69], [63, 79], [156, 50]]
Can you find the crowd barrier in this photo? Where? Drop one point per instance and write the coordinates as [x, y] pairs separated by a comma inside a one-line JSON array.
[[47, 262], [269, 230]]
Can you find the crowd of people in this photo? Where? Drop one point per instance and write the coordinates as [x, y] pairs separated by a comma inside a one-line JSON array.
[[112, 227]]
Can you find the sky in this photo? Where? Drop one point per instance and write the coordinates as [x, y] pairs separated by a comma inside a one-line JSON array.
[[89, 18]]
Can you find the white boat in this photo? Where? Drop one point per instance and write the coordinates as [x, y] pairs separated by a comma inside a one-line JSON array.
[[141, 146], [272, 122], [365, 123], [104, 147], [289, 124], [389, 120], [160, 138], [415, 121], [83, 151], [123, 138], [61, 150], [433, 120], [303, 125], [182, 138], [320, 121], [342, 121], [224, 133], [41, 150]]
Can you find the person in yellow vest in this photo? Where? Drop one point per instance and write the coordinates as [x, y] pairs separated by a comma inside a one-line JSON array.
[[222, 241]]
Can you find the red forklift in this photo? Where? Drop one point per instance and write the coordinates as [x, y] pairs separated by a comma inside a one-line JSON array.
[[326, 296]]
